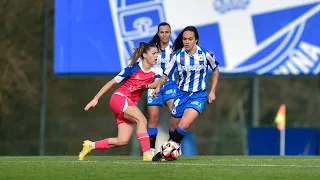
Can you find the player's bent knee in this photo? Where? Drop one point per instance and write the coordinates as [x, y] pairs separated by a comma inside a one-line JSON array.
[[123, 142], [153, 120], [142, 121], [184, 126]]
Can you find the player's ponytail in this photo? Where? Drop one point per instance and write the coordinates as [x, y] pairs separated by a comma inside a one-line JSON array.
[[155, 40], [178, 44], [137, 53], [143, 48]]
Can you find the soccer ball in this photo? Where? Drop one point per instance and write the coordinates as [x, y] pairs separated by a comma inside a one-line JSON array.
[[170, 150]]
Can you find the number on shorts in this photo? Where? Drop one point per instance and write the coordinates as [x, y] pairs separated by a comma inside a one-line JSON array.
[[176, 102]]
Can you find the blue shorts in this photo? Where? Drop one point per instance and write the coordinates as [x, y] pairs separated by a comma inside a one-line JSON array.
[[184, 100], [167, 92]]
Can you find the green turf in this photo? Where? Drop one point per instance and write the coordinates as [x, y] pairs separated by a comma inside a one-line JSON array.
[[128, 167]]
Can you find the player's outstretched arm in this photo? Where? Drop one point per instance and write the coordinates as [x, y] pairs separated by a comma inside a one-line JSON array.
[[215, 79], [103, 90], [162, 81]]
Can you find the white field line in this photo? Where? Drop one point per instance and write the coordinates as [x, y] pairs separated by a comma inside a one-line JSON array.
[[128, 162]]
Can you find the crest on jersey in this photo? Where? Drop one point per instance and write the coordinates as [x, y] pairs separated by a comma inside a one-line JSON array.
[[200, 56], [152, 78]]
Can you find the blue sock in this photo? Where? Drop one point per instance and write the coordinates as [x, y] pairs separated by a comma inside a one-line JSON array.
[[178, 134]]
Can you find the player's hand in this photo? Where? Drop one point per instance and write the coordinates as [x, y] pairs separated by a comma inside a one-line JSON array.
[[155, 92], [144, 86], [212, 97], [92, 103]]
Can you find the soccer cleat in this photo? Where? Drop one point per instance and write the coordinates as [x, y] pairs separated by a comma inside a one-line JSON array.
[[147, 156], [157, 157], [87, 147]]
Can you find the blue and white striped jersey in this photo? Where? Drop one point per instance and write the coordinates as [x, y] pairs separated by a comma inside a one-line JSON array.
[[193, 70], [164, 60]]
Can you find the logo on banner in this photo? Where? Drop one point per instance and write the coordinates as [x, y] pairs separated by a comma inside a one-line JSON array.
[[247, 36]]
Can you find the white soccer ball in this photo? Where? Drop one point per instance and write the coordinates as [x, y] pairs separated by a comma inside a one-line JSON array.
[[170, 150]]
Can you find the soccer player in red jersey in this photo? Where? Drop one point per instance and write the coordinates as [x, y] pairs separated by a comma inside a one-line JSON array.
[[134, 79]]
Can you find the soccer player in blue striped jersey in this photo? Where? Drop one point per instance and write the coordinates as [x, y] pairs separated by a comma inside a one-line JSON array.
[[192, 63], [168, 90]]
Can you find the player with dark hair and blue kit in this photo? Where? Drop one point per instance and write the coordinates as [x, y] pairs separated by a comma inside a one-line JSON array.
[[168, 90], [192, 63]]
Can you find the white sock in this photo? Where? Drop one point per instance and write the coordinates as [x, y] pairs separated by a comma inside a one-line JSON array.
[[146, 152], [93, 145]]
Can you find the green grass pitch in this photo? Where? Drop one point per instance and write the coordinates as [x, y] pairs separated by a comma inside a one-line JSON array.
[[131, 167]]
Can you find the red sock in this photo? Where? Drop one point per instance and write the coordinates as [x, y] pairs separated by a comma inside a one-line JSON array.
[[144, 141], [102, 144]]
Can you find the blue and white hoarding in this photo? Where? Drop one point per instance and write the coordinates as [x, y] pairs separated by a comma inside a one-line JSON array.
[[247, 36]]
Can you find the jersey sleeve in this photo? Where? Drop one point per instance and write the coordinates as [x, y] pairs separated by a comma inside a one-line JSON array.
[[212, 61], [124, 74], [171, 66], [158, 72]]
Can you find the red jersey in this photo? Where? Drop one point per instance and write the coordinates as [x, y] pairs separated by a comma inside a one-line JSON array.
[[133, 76]]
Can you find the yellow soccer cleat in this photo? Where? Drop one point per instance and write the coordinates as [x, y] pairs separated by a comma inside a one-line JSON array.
[[147, 156], [87, 147]]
